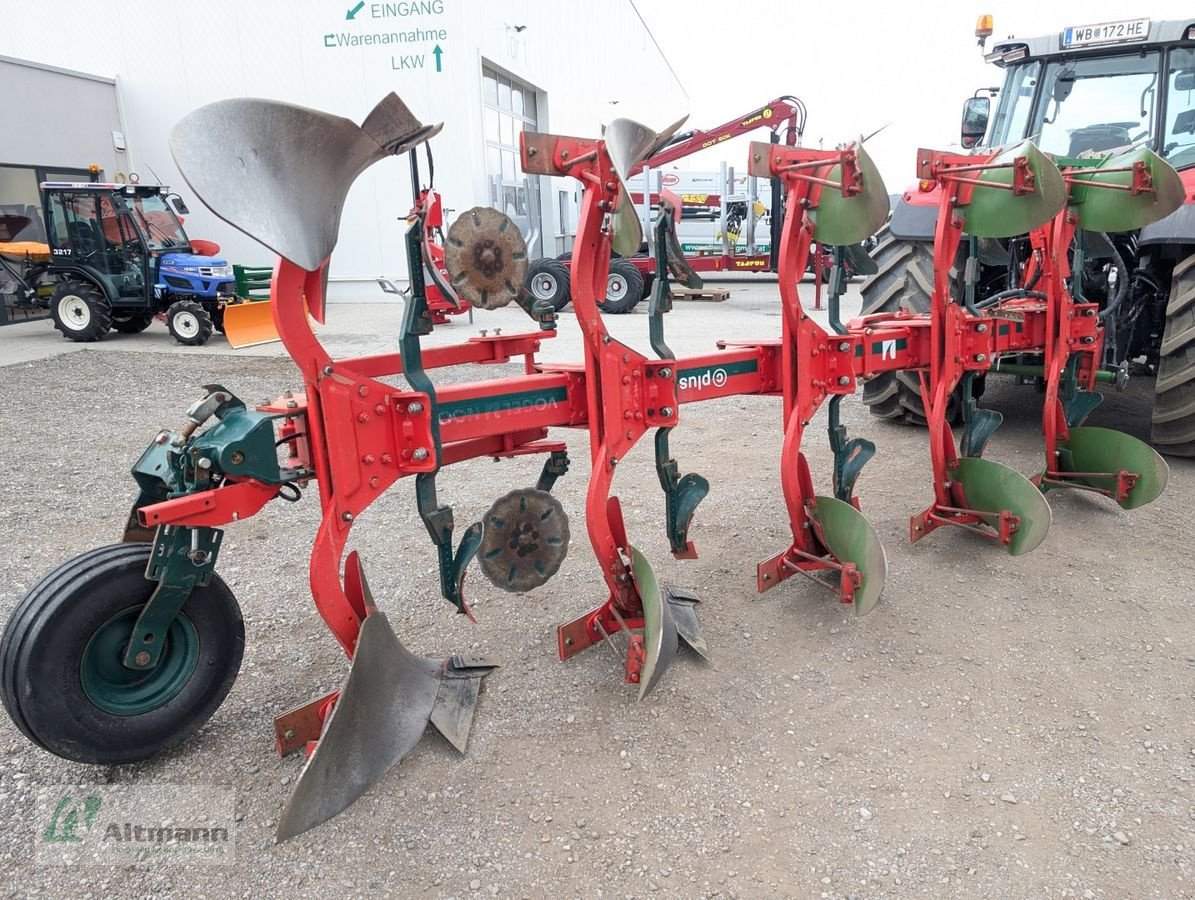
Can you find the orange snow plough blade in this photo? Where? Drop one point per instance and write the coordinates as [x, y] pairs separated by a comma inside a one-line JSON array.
[[249, 323]]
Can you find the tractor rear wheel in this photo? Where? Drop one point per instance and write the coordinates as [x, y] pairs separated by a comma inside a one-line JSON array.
[[189, 322], [80, 311], [548, 279], [1173, 430], [62, 680], [905, 281], [133, 322], [624, 287]]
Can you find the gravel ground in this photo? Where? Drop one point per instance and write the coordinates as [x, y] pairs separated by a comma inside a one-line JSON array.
[[998, 726]]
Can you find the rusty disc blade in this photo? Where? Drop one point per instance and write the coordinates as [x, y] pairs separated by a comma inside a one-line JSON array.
[[486, 258], [525, 539]]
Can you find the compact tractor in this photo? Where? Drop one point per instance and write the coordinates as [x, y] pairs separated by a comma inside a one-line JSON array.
[[128, 649], [117, 256], [1087, 90]]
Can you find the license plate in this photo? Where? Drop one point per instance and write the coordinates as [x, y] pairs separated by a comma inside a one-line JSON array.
[[1105, 33]]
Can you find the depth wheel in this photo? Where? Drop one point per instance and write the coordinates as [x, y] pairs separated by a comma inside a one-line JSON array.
[[189, 322], [1173, 429], [61, 677], [624, 288], [80, 311]]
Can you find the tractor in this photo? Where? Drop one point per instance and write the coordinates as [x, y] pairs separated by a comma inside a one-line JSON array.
[[118, 257], [1087, 89]]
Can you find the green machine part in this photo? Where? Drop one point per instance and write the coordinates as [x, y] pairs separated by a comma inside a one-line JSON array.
[[997, 212]]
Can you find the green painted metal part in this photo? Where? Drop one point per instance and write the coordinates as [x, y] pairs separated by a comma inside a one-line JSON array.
[[659, 632], [240, 443], [182, 559], [998, 212], [990, 487], [437, 519], [682, 495], [978, 424], [839, 220], [1111, 209], [1028, 371], [850, 456], [1105, 450], [848, 535], [121, 691]]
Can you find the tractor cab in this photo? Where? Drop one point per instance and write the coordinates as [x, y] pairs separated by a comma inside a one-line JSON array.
[[1092, 88]]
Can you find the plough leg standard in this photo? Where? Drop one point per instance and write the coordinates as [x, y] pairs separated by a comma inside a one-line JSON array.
[[128, 649]]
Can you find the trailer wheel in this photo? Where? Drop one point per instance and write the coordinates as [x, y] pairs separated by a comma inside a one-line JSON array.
[[131, 322], [80, 311], [189, 322], [61, 677], [905, 280], [1173, 429], [548, 279], [624, 288]]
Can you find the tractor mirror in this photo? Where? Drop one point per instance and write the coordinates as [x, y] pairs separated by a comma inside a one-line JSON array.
[[975, 120], [179, 206], [1185, 80]]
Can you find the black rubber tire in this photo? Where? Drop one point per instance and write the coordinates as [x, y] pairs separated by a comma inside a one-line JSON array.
[[189, 322], [42, 648], [624, 288], [548, 279], [133, 322], [1173, 431], [94, 316], [905, 280]]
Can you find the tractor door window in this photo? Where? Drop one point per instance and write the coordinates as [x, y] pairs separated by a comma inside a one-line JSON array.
[[1178, 137], [1016, 100], [1098, 104], [161, 225]]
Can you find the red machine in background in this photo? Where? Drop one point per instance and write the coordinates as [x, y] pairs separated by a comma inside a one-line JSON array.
[[631, 275]]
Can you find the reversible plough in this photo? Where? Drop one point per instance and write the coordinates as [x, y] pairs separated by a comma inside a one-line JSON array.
[[130, 648]]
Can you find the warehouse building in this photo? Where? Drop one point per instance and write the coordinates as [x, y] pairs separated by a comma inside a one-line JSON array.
[[100, 100]]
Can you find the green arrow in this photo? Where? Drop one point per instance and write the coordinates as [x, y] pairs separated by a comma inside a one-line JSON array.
[[352, 13], [436, 50]]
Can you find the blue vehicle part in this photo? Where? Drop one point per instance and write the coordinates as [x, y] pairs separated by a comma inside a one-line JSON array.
[[210, 277]]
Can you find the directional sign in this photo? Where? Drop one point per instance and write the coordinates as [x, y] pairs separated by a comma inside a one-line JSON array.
[[352, 13], [437, 51]]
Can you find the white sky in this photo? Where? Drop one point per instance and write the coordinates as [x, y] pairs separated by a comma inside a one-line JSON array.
[[856, 65]]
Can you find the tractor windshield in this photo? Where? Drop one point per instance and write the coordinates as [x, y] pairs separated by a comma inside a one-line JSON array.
[[162, 228], [1073, 105]]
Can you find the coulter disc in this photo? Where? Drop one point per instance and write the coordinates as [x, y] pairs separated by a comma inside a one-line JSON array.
[[486, 258], [525, 539]]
